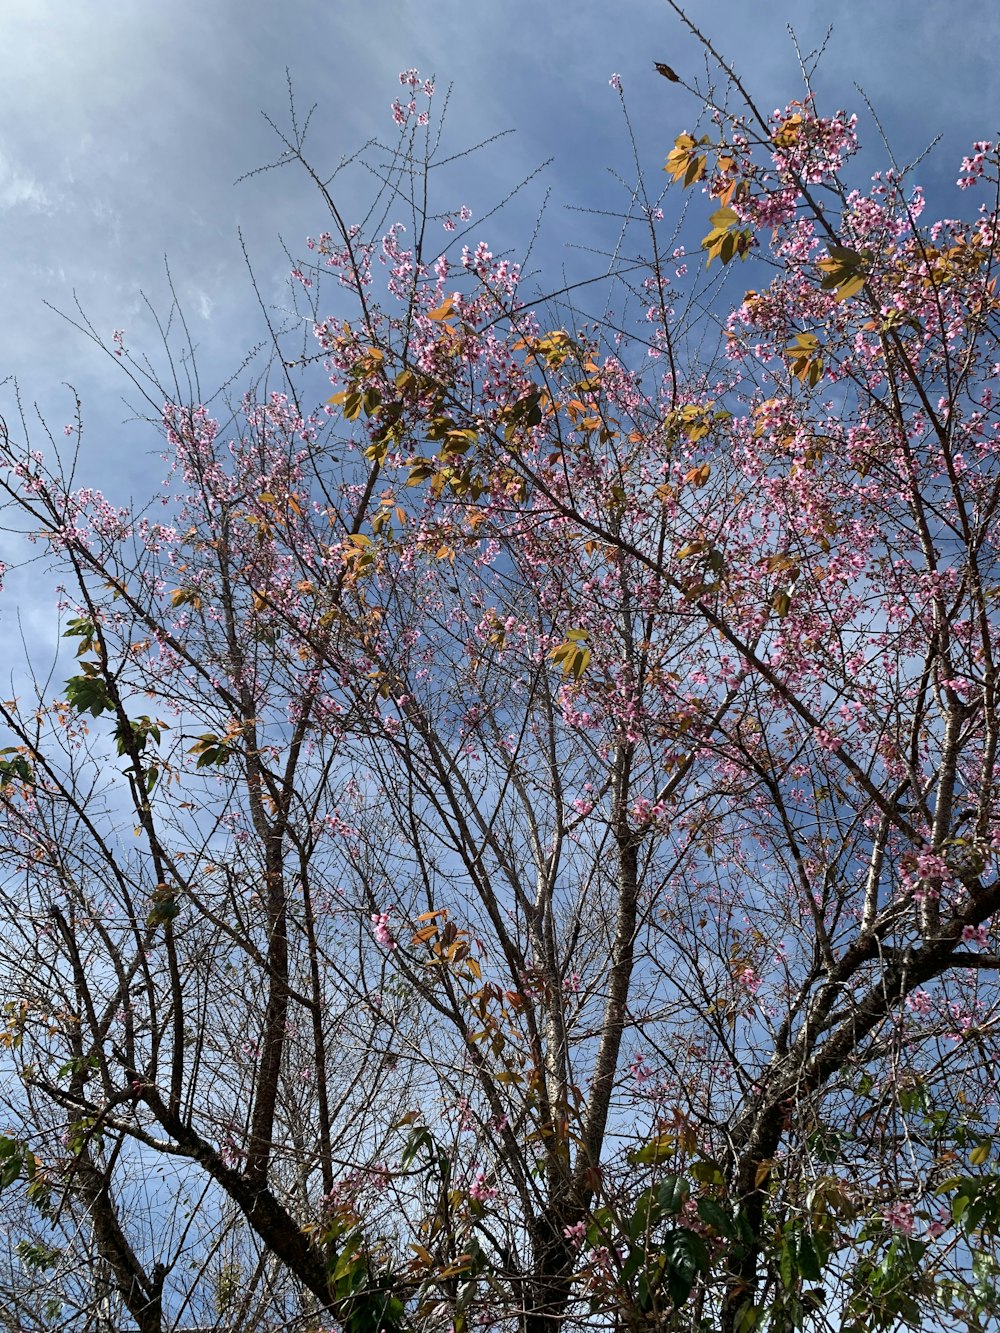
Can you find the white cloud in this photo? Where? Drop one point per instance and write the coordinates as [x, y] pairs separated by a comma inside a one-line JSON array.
[[20, 189], [205, 303]]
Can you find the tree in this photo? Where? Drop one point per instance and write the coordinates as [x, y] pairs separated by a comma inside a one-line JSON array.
[[516, 845]]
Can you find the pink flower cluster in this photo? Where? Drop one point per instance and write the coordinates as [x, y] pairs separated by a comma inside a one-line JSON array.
[[976, 935], [974, 165], [919, 1002], [899, 1216], [812, 148], [401, 113], [381, 931], [750, 981], [480, 1191], [645, 811]]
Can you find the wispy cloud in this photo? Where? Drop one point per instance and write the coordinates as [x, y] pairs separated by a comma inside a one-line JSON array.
[[18, 188]]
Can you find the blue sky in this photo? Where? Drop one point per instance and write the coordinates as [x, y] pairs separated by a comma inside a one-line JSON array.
[[124, 129]]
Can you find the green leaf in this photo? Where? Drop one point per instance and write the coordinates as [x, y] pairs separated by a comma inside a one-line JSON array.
[[786, 1263], [747, 1318], [713, 1215], [686, 1257], [88, 694], [163, 906], [36, 1256], [211, 749], [709, 1172], [12, 1160], [646, 1215], [674, 1192], [809, 1264], [16, 769], [635, 1261], [418, 1138], [84, 629], [980, 1153]]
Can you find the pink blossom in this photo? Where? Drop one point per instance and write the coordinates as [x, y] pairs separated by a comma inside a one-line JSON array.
[[963, 1020], [480, 1191], [750, 981], [899, 1216], [380, 929], [919, 1002], [645, 811], [639, 1070]]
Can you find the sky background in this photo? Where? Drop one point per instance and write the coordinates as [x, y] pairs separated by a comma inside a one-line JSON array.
[[124, 130]]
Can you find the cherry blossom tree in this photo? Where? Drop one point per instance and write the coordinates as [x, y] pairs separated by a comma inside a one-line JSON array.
[[516, 843]]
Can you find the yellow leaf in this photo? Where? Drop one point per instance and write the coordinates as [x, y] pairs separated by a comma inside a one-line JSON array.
[[843, 272], [779, 562], [851, 287], [420, 470], [724, 218], [980, 1153], [684, 162], [444, 311], [464, 1261], [787, 134], [571, 655]]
